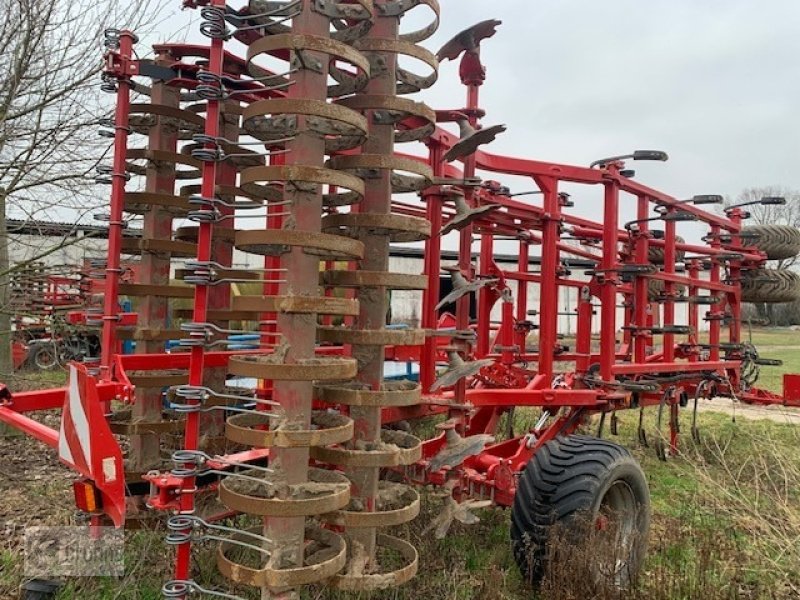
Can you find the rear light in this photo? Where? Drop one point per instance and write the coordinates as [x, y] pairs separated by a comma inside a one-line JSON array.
[[87, 496]]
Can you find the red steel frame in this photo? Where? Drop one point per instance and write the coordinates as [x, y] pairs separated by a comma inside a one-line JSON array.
[[519, 377]]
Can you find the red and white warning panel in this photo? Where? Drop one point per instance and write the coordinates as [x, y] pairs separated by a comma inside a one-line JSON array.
[[86, 444]]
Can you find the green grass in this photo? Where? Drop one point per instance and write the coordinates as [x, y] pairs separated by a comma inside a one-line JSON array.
[[726, 521]]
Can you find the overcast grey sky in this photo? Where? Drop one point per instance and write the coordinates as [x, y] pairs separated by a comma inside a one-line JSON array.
[[714, 83]]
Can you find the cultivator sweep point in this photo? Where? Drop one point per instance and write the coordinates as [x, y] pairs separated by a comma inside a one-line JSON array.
[[271, 398]]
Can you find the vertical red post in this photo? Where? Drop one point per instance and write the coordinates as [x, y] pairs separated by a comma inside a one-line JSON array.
[[669, 289], [108, 342], [692, 308], [715, 325], [485, 297], [608, 290], [735, 273], [523, 261], [641, 301], [200, 306], [433, 249], [465, 235], [549, 288]]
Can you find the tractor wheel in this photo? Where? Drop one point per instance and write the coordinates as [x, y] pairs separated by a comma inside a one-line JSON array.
[[655, 254], [44, 357], [770, 285], [582, 491], [778, 242]]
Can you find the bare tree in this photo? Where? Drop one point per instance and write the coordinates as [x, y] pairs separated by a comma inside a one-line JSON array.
[[50, 60]]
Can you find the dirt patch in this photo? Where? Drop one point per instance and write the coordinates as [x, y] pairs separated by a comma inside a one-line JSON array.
[[36, 491], [777, 414]]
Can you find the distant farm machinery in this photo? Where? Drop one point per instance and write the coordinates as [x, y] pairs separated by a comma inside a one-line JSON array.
[[296, 137]]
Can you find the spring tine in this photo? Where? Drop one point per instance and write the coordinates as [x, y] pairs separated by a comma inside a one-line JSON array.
[[202, 280], [180, 589], [201, 264], [179, 524], [207, 327], [189, 408], [278, 86], [273, 22], [542, 421], [275, 11], [197, 457], [201, 138], [213, 25], [202, 393], [234, 463], [212, 202], [204, 216], [108, 83], [111, 37], [249, 344]]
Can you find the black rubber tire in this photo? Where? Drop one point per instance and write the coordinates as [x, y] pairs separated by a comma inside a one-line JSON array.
[[655, 254], [44, 357], [566, 485], [655, 289], [778, 242], [770, 286]]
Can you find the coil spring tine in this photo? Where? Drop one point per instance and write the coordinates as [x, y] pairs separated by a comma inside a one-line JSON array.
[[193, 343], [213, 202], [208, 327], [198, 408], [200, 458], [203, 264], [111, 37], [202, 393], [280, 86], [272, 22], [201, 138], [211, 86], [108, 83], [213, 25], [218, 154], [181, 522], [203, 280], [270, 13], [215, 216], [266, 87], [179, 589], [215, 87]]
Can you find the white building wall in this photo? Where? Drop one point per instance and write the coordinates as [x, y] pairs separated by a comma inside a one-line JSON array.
[[406, 304], [53, 250]]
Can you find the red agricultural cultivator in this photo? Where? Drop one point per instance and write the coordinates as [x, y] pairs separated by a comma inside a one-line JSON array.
[[294, 153]]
